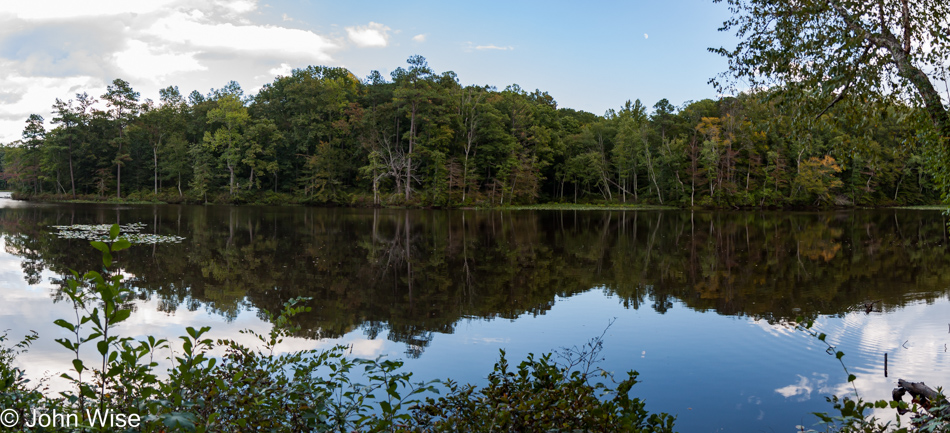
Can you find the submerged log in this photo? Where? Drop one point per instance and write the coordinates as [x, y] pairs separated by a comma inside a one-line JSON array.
[[933, 401]]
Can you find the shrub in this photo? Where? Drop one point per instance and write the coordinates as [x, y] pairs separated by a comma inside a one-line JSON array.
[[539, 396]]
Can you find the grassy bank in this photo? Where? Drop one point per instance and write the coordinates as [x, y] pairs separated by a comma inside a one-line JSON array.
[[571, 206], [269, 198], [925, 207]]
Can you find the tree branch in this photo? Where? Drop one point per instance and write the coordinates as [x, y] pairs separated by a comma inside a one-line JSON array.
[[905, 68], [905, 15], [846, 86]]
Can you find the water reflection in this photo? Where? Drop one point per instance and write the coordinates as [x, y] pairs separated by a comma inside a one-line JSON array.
[[702, 298], [414, 273]]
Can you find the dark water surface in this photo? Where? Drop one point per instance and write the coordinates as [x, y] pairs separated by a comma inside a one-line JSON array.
[[701, 299]]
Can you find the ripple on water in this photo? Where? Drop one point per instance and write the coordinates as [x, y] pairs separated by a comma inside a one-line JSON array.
[[915, 338]]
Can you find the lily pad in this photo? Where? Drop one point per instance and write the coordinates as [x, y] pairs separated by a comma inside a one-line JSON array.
[[100, 232]]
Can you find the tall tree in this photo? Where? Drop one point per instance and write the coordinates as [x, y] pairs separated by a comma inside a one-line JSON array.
[[161, 123], [123, 104], [470, 101], [412, 91], [231, 115], [33, 134], [262, 138], [71, 119]]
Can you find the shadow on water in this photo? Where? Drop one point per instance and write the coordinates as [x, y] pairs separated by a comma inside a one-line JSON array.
[[410, 274]]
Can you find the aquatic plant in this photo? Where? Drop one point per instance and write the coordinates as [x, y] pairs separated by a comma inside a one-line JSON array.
[[100, 232]]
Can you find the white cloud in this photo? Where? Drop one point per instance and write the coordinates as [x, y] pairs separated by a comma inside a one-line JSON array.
[[371, 35], [366, 348], [142, 61], [36, 95], [283, 70], [493, 47], [58, 9], [53, 49], [802, 390], [183, 29], [238, 6], [419, 38]]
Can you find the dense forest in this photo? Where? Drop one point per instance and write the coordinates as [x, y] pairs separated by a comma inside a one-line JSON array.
[[323, 136]]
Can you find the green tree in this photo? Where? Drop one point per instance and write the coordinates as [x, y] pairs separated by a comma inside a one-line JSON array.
[[161, 124], [378, 135], [231, 115], [470, 108], [71, 119], [34, 134], [123, 103], [170, 147], [413, 89], [261, 138], [884, 50]]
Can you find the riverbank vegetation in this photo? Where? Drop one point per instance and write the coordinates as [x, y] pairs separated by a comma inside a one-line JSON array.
[[421, 138]]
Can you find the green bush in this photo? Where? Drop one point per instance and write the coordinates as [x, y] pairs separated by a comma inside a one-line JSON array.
[[539, 396]]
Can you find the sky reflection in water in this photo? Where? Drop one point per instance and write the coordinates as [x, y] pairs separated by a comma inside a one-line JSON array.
[[744, 371]]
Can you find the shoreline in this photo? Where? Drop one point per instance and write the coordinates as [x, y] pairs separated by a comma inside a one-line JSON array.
[[538, 206]]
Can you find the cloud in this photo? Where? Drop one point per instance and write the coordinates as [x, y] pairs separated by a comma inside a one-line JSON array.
[[52, 9], [802, 390], [36, 95], [11, 97], [53, 49], [183, 29], [283, 70], [367, 348], [371, 35], [493, 47], [141, 60], [419, 38]]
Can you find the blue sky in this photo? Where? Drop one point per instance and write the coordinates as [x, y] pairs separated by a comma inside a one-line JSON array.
[[588, 57]]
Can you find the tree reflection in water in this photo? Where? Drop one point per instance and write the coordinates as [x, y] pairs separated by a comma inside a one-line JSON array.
[[415, 273]]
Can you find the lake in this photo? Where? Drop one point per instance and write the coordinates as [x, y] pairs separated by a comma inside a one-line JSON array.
[[700, 302]]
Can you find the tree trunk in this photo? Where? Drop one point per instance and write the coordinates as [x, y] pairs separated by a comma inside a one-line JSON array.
[[231, 184], [155, 167], [412, 139], [920, 391], [465, 174], [902, 60], [72, 177], [118, 172]]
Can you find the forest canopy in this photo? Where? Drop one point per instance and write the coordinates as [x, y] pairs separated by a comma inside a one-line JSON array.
[[819, 53], [420, 138]]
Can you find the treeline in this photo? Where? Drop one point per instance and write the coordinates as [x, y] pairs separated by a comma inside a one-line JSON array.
[[323, 136]]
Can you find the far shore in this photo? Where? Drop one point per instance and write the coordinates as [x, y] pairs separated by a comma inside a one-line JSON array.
[[363, 204]]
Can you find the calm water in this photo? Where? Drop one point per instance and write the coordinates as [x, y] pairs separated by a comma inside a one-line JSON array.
[[701, 299]]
